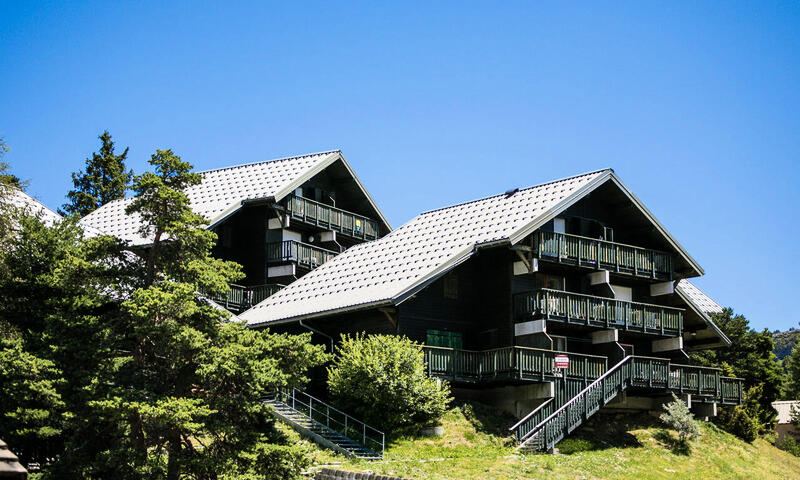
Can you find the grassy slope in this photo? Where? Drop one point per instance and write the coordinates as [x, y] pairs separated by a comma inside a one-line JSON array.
[[474, 447]]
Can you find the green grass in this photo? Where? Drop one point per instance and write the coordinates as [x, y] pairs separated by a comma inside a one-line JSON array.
[[476, 446]]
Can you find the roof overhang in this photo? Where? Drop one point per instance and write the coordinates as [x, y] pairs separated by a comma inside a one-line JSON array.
[[608, 175], [297, 183], [724, 341], [319, 167]]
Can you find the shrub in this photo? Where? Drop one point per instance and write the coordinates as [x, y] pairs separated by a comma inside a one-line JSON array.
[[679, 417], [744, 420], [789, 444], [381, 380], [740, 422]]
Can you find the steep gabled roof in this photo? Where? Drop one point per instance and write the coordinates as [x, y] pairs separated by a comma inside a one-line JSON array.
[[699, 299], [223, 191], [703, 305], [389, 270]]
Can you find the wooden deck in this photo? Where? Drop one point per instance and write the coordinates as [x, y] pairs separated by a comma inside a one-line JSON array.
[[508, 363], [594, 311], [603, 255], [325, 216]]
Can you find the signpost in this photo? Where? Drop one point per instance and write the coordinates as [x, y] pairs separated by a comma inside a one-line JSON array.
[[562, 362]]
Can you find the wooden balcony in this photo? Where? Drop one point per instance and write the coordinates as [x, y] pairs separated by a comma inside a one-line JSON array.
[[239, 298], [508, 363], [303, 254], [602, 255], [331, 218], [589, 310]]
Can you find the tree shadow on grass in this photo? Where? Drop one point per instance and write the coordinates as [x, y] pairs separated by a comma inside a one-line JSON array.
[[486, 419], [586, 441], [675, 445]]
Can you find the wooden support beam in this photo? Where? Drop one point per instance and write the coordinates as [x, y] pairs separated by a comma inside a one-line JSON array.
[[605, 336], [667, 344], [388, 312], [526, 263], [663, 288], [529, 328]]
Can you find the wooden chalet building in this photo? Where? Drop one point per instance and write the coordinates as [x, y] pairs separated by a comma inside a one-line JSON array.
[[505, 289], [550, 301], [279, 219]]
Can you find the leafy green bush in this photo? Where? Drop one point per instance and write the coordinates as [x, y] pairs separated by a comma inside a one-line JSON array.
[[381, 380], [678, 417], [789, 444], [268, 461]]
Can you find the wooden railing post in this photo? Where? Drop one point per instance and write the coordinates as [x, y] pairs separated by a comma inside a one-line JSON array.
[[547, 305], [453, 362]]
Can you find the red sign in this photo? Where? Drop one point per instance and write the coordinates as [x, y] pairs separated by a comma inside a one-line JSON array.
[[562, 362]]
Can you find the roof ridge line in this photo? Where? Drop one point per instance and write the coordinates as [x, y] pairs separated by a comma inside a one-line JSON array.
[[281, 159], [520, 190]]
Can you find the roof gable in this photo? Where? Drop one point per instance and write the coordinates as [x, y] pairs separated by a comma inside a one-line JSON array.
[[703, 305], [222, 192]]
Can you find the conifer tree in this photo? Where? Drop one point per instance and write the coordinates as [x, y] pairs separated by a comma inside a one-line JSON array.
[[104, 179], [187, 383]]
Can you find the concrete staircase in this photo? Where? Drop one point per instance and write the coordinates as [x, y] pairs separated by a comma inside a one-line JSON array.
[[327, 426]]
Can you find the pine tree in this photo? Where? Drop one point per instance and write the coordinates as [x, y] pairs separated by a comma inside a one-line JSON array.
[[750, 357], [187, 383], [113, 367], [791, 383], [105, 179]]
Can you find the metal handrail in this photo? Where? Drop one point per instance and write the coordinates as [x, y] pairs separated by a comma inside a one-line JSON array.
[[345, 428]]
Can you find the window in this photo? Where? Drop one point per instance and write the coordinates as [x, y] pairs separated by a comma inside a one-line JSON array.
[[451, 286], [225, 233], [553, 282], [442, 338]]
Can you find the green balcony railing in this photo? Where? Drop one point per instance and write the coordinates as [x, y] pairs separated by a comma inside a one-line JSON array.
[[332, 218], [546, 425], [596, 311], [303, 254], [239, 298], [601, 254], [508, 363]]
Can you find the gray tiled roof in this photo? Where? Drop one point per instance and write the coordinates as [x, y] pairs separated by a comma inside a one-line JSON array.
[[20, 199], [384, 270], [784, 409], [9, 464], [220, 191], [703, 301]]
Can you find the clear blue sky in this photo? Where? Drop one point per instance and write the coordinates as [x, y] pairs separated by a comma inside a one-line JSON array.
[[696, 106]]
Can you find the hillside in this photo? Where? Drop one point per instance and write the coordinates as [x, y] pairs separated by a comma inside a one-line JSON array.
[[475, 447], [785, 342]]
